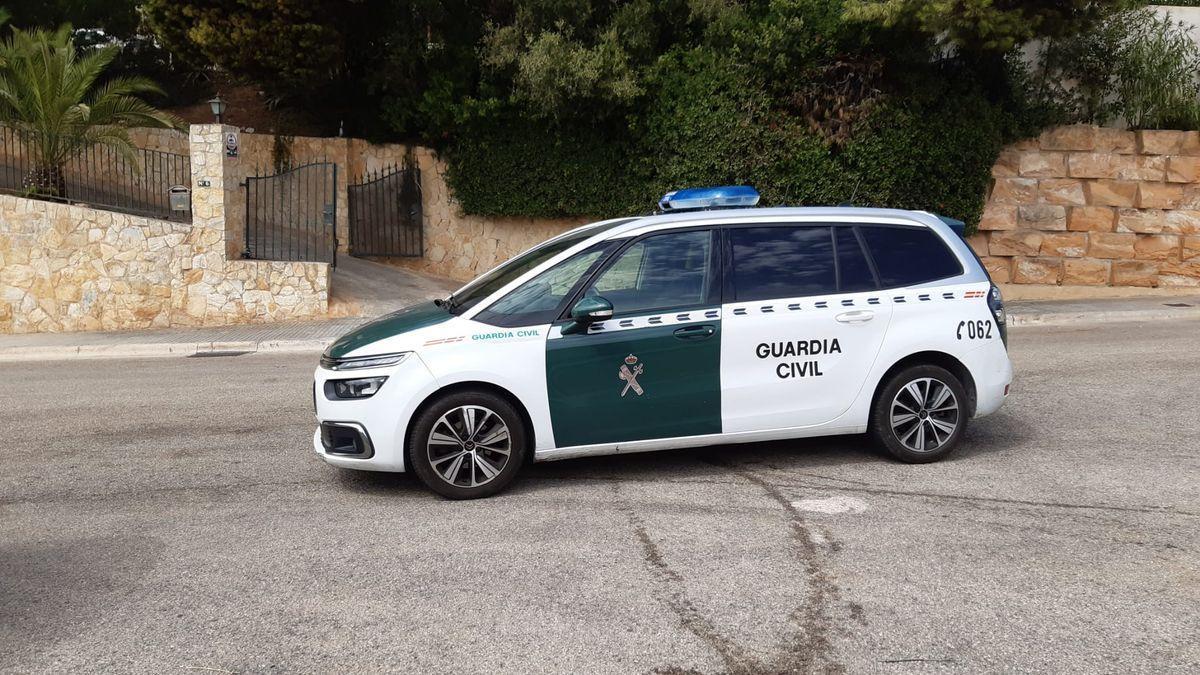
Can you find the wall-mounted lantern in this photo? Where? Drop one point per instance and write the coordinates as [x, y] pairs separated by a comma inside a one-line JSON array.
[[218, 107]]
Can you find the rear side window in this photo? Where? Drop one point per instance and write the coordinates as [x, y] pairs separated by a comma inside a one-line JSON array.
[[782, 262], [854, 272], [906, 256]]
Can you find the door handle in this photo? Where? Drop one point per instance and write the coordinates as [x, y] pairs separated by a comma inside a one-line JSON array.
[[695, 332], [857, 316]]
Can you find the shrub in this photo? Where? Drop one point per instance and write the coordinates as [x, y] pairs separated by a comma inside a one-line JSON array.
[[932, 148], [1156, 75], [1138, 66], [505, 164]]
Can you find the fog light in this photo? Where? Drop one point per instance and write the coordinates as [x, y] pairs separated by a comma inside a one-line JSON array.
[[360, 388]]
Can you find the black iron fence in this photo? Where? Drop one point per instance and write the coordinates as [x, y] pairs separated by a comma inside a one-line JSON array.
[[292, 215], [100, 176], [385, 213]]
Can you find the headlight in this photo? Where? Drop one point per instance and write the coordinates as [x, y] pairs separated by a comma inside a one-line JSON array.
[[359, 362], [361, 388]]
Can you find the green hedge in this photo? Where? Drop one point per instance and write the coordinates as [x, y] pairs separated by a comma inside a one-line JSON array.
[[931, 149]]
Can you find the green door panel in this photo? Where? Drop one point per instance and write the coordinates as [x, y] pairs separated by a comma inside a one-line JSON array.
[[680, 381], [409, 318]]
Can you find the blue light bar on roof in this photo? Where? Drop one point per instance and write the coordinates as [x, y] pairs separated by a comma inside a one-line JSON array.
[[724, 196]]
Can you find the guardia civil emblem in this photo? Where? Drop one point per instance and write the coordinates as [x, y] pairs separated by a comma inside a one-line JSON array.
[[629, 373]]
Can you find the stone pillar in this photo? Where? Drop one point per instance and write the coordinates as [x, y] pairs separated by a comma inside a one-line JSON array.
[[218, 202]]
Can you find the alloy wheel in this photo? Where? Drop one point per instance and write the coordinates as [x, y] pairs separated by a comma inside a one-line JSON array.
[[469, 446], [925, 414]]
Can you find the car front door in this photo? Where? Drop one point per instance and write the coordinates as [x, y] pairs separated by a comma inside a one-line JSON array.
[[803, 323], [653, 370]]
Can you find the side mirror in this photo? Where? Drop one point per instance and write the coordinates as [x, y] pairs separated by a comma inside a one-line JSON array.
[[588, 311]]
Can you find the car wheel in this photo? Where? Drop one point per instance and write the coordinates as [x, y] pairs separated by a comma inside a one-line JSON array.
[[920, 415], [468, 445]]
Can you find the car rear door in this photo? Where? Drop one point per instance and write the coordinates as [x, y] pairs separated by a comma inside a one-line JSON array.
[[803, 322], [652, 371]]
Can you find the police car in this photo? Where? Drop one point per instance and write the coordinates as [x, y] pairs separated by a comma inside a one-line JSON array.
[[709, 323]]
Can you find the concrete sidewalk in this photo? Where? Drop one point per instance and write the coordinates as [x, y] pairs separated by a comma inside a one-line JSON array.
[[313, 336]]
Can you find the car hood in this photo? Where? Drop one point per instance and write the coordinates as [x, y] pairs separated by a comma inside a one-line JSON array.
[[387, 326]]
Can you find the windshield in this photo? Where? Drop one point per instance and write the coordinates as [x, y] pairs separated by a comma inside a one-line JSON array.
[[503, 275]]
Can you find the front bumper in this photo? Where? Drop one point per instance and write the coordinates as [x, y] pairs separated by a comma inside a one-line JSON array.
[[379, 423]]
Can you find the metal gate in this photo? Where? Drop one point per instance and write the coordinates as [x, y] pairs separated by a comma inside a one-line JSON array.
[[292, 215], [385, 213]]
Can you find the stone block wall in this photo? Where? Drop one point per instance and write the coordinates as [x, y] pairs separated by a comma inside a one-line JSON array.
[[71, 268], [68, 267], [461, 247], [1085, 205]]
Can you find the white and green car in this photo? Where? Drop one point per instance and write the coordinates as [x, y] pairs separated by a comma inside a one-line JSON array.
[[693, 327]]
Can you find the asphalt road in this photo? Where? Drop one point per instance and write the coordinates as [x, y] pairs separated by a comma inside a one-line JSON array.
[[168, 515]]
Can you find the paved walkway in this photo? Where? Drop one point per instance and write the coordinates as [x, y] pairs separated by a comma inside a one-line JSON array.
[[315, 335], [366, 288]]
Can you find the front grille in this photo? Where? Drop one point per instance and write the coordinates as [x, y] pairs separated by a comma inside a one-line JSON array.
[[346, 439]]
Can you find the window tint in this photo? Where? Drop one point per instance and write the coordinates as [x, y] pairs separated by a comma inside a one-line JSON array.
[[659, 272], [854, 272], [905, 256], [493, 281], [782, 262], [538, 300]]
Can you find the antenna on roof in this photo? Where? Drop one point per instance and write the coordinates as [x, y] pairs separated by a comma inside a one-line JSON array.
[[855, 191]]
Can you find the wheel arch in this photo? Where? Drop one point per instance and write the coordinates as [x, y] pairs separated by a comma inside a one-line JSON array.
[[931, 358], [471, 385]]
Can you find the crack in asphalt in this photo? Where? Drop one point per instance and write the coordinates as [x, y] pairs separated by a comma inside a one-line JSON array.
[[808, 650], [734, 657], [811, 647]]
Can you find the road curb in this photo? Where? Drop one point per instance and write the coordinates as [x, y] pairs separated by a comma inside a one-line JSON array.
[[1088, 318]]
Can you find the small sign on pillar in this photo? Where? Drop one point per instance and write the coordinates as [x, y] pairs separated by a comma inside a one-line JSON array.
[[231, 144]]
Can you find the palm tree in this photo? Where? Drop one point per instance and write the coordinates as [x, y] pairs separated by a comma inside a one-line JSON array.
[[53, 98]]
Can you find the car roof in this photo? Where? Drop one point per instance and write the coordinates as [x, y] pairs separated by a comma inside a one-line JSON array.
[[619, 227]]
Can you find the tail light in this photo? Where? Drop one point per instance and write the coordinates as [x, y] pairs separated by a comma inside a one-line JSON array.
[[996, 304]]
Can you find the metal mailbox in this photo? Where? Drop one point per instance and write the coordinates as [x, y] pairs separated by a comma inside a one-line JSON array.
[[180, 197]]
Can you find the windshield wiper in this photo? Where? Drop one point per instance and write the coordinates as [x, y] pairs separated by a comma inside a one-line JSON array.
[[449, 302]]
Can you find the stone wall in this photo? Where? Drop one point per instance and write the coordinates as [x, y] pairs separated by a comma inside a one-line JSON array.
[[67, 268], [461, 247], [162, 140], [70, 268], [1084, 205]]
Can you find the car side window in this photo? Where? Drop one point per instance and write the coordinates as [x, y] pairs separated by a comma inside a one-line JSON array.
[[782, 262], [907, 256], [539, 300], [854, 272], [662, 271]]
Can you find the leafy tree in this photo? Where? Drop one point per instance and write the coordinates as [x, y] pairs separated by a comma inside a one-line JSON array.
[[116, 18], [985, 26], [287, 46], [53, 97]]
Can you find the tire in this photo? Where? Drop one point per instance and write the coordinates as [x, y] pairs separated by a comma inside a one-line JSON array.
[[920, 397], [454, 461]]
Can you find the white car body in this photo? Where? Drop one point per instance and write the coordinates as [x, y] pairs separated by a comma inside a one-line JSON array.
[[826, 391]]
